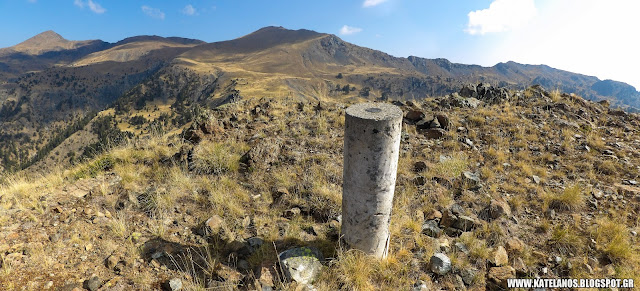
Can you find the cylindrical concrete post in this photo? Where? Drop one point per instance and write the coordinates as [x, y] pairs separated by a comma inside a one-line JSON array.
[[371, 150]]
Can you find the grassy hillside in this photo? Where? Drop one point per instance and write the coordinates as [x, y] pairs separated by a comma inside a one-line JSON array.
[[48, 83], [556, 188]]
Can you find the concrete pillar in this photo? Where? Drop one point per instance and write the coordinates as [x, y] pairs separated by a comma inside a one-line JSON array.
[[371, 150]]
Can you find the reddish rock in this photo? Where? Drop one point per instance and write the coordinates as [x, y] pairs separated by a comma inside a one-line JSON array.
[[414, 115], [499, 275], [514, 245], [434, 133]]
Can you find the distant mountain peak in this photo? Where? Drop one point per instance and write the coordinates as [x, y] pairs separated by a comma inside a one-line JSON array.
[[44, 42], [48, 35], [43, 39], [282, 33]]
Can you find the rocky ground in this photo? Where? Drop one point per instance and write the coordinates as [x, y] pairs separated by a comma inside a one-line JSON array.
[[491, 185]]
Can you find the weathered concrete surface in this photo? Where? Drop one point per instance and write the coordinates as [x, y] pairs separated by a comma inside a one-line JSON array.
[[371, 150]]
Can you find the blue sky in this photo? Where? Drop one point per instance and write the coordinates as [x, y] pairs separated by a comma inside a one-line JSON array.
[[593, 37]]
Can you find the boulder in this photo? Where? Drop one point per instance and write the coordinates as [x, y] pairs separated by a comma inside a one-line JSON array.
[[468, 91], [457, 101], [414, 115], [440, 264], [301, 264]]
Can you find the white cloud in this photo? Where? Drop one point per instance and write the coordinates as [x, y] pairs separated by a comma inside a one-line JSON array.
[[189, 10], [371, 3], [93, 6], [153, 12], [565, 36], [502, 15], [347, 30]]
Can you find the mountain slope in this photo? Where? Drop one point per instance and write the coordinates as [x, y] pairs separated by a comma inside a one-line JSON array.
[[50, 82], [41, 95], [542, 185]]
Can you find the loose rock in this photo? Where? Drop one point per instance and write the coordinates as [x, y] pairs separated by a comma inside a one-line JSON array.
[[430, 228], [301, 264], [499, 257], [499, 275], [440, 264], [175, 284], [92, 284]]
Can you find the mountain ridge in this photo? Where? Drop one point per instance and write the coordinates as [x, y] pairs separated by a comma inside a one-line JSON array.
[[58, 87]]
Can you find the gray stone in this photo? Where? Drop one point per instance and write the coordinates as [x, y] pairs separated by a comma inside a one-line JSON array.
[[440, 264], [175, 284], [465, 223], [430, 228], [472, 103], [448, 218], [301, 264], [458, 283], [495, 209], [597, 194], [536, 179], [92, 284], [457, 209], [468, 275], [471, 179], [157, 255], [462, 248], [519, 266], [255, 242], [453, 232], [557, 259], [420, 286], [469, 91], [434, 124]]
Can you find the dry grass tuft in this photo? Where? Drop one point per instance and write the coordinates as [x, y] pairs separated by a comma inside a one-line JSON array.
[[571, 198]]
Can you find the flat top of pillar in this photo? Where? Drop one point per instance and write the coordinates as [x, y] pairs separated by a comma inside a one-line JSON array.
[[374, 111]]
